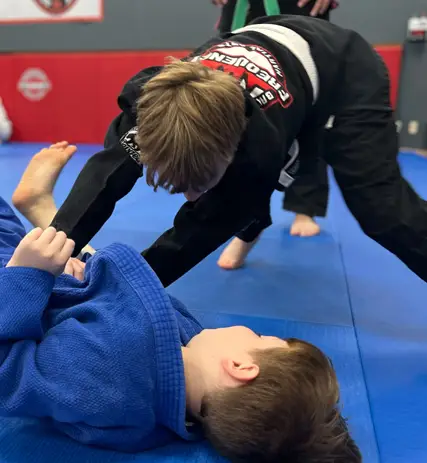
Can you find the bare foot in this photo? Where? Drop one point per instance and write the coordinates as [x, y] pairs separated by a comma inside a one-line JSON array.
[[35, 189], [304, 226], [234, 255]]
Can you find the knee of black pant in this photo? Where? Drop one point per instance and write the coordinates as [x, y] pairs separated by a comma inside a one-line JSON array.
[[382, 208], [373, 215]]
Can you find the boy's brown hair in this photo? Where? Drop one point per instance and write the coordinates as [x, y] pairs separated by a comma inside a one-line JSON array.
[[288, 414], [190, 121]]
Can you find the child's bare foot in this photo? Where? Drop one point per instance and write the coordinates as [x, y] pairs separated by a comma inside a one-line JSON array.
[[234, 255], [304, 226], [35, 189]]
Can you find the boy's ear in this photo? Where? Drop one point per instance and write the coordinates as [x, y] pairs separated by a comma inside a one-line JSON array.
[[241, 369]]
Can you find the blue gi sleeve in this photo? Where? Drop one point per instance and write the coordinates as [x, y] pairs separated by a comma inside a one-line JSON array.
[[24, 294]]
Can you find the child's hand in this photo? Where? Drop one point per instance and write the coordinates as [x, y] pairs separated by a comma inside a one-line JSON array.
[[75, 268], [320, 7], [47, 250]]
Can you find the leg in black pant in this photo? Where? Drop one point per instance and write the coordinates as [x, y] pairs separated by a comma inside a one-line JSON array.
[[310, 142], [310, 192], [362, 149], [308, 195], [316, 194]]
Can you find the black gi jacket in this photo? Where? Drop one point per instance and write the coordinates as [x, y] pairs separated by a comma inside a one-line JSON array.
[[280, 110]]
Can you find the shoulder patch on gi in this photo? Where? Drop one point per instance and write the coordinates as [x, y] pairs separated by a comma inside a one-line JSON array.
[[129, 144], [257, 70]]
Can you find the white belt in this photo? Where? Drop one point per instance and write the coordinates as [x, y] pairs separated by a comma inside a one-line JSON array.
[[294, 43]]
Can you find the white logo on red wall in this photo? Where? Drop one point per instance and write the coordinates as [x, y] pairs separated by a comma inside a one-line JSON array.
[[256, 68], [55, 6], [34, 84]]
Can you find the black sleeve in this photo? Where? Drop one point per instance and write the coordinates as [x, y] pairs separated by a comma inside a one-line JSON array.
[[107, 177], [201, 227]]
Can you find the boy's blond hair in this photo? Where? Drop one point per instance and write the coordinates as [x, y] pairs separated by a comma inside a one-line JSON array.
[[289, 414], [190, 121]]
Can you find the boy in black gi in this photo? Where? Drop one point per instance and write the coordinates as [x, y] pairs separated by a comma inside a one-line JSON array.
[[225, 126], [308, 196]]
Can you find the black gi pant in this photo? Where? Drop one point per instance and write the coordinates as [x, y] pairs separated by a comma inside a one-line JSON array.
[[362, 148], [309, 193]]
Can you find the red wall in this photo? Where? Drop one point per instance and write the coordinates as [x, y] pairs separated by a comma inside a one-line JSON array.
[[83, 88]]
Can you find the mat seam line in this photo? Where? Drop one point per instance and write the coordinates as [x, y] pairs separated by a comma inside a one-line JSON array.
[[278, 319], [356, 335]]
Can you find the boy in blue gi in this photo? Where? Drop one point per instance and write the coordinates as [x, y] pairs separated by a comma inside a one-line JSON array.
[[114, 361]]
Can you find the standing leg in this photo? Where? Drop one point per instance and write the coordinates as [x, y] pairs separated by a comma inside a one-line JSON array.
[[367, 171], [308, 195], [362, 149], [308, 198]]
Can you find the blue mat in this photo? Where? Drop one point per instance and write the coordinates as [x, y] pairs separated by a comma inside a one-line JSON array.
[[390, 313], [339, 291]]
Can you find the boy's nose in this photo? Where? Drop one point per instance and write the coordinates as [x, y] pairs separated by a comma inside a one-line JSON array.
[[192, 195]]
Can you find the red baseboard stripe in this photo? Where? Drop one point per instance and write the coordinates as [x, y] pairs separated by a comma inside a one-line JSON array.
[[72, 96]]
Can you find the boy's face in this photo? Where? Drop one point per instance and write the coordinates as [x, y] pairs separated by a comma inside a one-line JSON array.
[[192, 195], [234, 338], [220, 359], [231, 345]]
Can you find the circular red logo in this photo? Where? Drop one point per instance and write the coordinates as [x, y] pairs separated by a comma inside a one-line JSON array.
[[55, 6], [34, 84]]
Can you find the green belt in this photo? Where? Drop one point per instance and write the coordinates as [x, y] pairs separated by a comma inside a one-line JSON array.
[[241, 11]]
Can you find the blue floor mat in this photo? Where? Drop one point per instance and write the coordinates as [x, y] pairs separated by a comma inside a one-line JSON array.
[[339, 291], [390, 313]]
